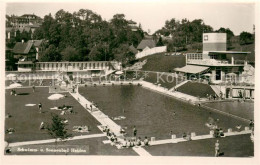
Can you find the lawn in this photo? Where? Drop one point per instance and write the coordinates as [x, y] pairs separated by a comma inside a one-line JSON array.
[[234, 146], [153, 113], [45, 82], [162, 63], [26, 120], [95, 147], [241, 109], [196, 89], [166, 80]]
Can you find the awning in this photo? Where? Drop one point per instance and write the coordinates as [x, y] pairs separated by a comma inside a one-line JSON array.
[[228, 52], [24, 62], [191, 69]]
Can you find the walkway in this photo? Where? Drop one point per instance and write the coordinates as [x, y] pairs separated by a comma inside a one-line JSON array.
[[97, 114], [178, 95], [53, 140], [178, 85], [141, 151], [201, 137]]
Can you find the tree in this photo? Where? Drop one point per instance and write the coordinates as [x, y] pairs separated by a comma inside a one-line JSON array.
[[160, 42], [84, 35], [229, 33], [50, 54], [246, 38], [70, 54], [57, 128]]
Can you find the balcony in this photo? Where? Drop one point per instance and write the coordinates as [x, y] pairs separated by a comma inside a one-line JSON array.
[[213, 62]]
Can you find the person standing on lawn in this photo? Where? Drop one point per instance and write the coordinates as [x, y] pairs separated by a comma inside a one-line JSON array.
[[217, 148], [33, 87], [40, 107]]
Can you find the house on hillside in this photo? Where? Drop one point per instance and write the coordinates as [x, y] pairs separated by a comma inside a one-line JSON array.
[[145, 44], [26, 55], [39, 45], [133, 25], [133, 49], [25, 20]]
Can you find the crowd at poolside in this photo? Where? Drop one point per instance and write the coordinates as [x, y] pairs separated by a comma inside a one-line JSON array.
[[127, 142]]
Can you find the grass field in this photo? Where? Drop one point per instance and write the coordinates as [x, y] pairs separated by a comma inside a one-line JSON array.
[[96, 147], [235, 146], [165, 80], [45, 82], [26, 120], [162, 63], [153, 113], [196, 89]]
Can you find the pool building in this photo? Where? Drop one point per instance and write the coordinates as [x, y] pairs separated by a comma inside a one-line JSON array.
[[220, 66]]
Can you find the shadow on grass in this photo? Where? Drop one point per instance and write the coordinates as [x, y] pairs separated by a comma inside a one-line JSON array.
[[23, 93]]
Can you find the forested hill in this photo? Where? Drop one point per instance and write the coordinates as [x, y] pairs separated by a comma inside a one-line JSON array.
[[85, 35]]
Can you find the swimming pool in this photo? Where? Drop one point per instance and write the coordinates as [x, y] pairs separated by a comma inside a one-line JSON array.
[[154, 114]]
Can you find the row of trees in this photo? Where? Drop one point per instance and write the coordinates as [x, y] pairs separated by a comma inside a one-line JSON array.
[[84, 35], [183, 32], [187, 32]]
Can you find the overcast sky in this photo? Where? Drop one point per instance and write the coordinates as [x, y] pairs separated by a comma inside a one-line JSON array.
[[236, 16]]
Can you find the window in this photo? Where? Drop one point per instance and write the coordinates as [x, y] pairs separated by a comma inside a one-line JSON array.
[[213, 56], [206, 37]]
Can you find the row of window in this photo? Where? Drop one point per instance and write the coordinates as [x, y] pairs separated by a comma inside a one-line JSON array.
[[194, 56], [81, 65]]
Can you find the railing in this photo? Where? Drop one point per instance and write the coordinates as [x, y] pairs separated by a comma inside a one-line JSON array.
[[214, 62]]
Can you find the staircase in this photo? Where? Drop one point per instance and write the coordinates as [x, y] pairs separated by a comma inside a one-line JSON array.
[[216, 89], [178, 85]]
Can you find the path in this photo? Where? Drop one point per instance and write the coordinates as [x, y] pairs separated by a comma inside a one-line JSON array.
[[97, 114], [53, 140], [141, 151], [178, 85], [201, 137], [175, 94]]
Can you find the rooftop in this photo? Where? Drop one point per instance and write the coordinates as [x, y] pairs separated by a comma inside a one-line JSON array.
[[22, 48], [228, 52], [36, 43], [191, 69], [146, 43]]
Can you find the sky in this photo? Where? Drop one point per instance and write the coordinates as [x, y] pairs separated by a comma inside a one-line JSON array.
[[153, 14]]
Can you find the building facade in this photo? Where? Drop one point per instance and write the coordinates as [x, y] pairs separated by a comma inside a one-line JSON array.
[[222, 63]]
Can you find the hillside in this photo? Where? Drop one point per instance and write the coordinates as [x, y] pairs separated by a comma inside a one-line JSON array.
[[249, 48], [162, 63]]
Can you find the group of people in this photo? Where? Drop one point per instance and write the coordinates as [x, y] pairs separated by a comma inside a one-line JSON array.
[[111, 135], [186, 136], [135, 142], [211, 97], [126, 143]]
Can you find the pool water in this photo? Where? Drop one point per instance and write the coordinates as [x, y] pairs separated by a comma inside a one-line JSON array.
[[154, 114]]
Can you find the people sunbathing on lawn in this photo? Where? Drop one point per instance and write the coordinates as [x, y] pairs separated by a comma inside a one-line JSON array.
[[65, 107], [8, 115], [10, 130], [83, 128], [42, 125], [118, 118]]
